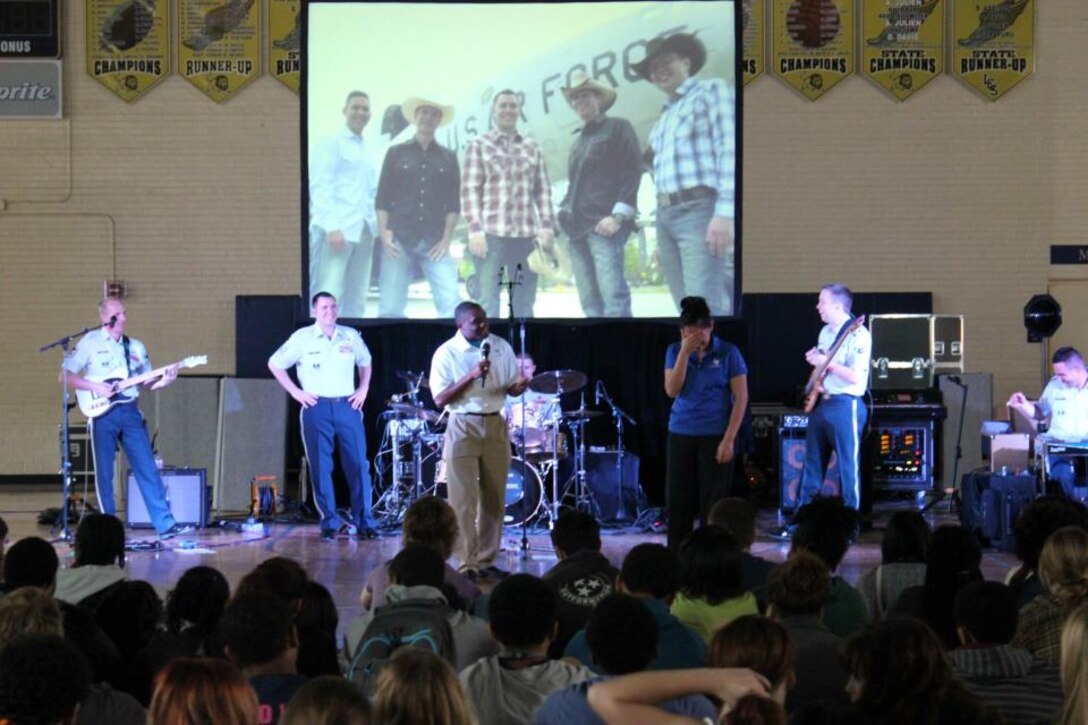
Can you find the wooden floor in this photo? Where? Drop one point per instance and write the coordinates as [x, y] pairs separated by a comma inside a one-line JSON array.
[[343, 565]]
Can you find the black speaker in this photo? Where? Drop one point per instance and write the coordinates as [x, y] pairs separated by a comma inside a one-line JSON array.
[[602, 477], [792, 467], [186, 492], [262, 323]]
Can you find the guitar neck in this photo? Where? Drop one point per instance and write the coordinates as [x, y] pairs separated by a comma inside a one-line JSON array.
[[143, 377]]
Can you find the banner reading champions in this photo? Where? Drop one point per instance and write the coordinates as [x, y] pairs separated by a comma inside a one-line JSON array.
[[813, 44], [219, 45], [753, 31], [128, 45], [902, 43], [993, 44]]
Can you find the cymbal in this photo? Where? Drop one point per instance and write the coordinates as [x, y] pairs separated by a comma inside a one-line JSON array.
[[415, 411], [581, 414], [413, 378], [558, 381]]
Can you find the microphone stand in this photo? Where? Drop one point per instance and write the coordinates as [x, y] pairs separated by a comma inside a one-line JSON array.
[[517, 331], [65, 455], [619, 416]]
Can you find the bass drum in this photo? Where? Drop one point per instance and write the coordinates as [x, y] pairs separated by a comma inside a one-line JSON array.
[[524, 492]]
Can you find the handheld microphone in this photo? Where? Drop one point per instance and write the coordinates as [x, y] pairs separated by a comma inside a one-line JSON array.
[[485, 353]]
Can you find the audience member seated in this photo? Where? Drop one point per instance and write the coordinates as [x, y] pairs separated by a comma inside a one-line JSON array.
[[191, 691], [622, 638], [754, 710], [260, 639], [825, 527], [796, 595], [331, 700], [738, 517], [417, 687], [583, 576], [710, 588], [416, 576], [1075, 668], [129, 614], [43, 679], [904, 551], [32, 562], [32, 611], [954, 561], [635, 697], [193, 609], [651, 574], [1032, 528], [99, 562], [1024, 690], [280, 575], [760, 644], [429, 521], [1063, 570], [899, 676], [509, 687], [317, 621]]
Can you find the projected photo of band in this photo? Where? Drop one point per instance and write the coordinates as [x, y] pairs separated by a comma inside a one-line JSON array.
[[579, 158]]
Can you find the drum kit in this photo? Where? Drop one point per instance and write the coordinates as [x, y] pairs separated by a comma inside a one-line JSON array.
[[409, 460]]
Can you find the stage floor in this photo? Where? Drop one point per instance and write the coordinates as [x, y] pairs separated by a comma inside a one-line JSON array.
[[343, 565]]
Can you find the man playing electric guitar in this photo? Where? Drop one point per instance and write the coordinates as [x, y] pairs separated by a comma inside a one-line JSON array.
[[840, 414], [99, 353]]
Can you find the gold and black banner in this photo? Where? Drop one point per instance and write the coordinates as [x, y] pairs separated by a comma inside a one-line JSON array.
[[812, 44], [219, 45], [993, 44], [753, 31], [128, 45], [285, 41], [902, 43]]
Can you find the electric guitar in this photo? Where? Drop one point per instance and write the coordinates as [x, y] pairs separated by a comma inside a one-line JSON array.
[[814, 386], [92, 405]]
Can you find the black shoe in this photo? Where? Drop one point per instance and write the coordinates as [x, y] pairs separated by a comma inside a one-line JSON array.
[[328, 534], [493, 572], [367, 534], [177, 530]]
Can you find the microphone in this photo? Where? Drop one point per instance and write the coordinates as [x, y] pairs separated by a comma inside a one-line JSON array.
[[485, 353], [597, 393], [517, 274], [112, 322], [502, 275]]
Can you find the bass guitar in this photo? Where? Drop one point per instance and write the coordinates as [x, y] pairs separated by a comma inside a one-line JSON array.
[[814, 386], [92, 405]]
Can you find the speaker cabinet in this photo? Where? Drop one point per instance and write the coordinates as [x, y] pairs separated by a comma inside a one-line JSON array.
[[186, 493], [602, 477], [792, 467]]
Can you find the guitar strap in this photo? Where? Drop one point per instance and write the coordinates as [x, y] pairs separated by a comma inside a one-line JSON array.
[[128, 361], [838, 336]]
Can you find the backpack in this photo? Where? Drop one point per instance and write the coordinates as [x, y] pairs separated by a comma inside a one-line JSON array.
[[422, 623]]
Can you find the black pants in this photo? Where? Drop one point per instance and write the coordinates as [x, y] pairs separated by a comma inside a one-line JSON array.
[[694, 482]]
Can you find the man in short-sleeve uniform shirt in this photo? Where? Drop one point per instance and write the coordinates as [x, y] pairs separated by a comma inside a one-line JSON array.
[[326, 355]]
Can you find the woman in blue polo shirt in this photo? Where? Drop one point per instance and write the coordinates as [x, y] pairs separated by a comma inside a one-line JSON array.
[[708, 381]]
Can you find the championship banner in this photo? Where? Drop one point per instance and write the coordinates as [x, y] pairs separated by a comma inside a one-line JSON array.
[[993, 44], [128, 45], [753, 30], [902, 43], [285, 41], [812, 44], [219, 45]]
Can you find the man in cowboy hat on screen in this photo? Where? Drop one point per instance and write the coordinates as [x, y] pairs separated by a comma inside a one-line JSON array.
[[418, 202], [599, 210], [693, 149]]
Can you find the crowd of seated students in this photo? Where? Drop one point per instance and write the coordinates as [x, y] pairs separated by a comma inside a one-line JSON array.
[[708, 633]]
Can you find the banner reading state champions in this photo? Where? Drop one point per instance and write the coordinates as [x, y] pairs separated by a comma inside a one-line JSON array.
[[993, 44], [128, 45], [285, 41], [902, 43], [812, 44], [219, 45]]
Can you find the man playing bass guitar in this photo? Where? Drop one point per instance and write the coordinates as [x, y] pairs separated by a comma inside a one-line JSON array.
[[840, 378]]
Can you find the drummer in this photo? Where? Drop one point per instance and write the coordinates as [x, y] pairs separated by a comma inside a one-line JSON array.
[[540, 409]]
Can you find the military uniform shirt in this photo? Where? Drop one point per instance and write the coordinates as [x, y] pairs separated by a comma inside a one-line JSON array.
[[98, 355], [326, 367]]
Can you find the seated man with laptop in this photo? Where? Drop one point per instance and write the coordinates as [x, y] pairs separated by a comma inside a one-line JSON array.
[[1063, 406]]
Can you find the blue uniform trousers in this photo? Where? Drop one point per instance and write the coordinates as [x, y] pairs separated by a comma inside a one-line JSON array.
[[124, 424], [333, 420], [835, 425]]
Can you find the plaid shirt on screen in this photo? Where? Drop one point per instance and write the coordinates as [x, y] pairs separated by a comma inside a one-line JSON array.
[[505, 190]]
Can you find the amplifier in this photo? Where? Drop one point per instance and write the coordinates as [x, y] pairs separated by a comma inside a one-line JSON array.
[[792, 467], [902, 455], [188, 496]]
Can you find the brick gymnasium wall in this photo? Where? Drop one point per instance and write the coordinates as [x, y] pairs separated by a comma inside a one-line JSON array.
[[193, 203]]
